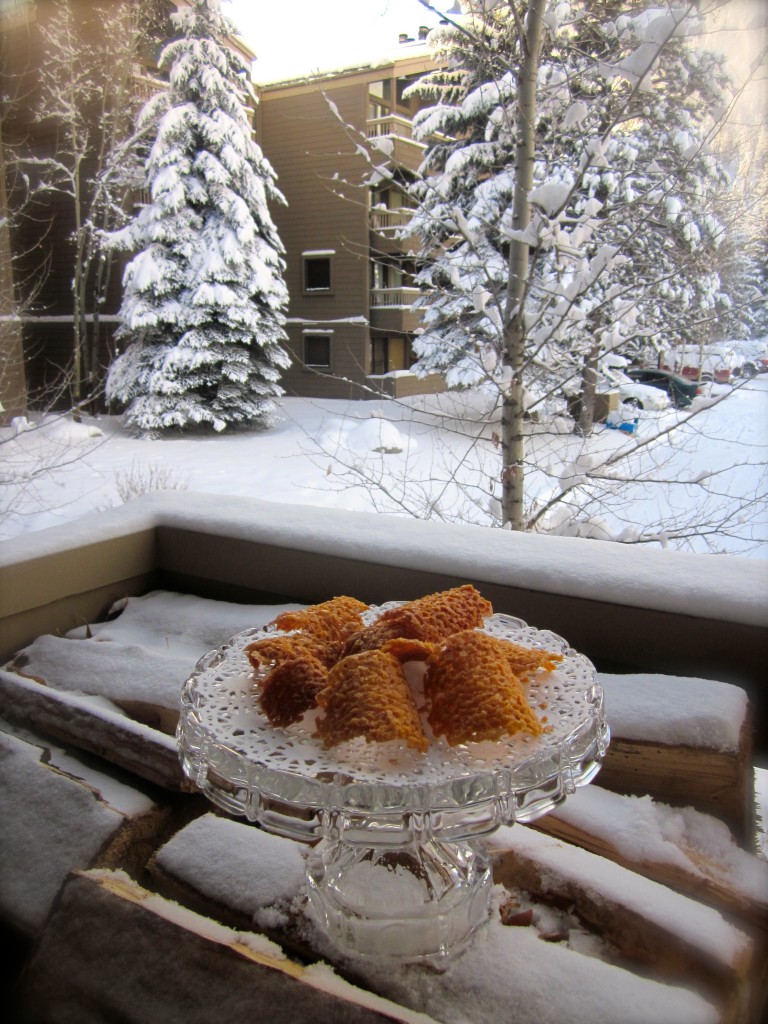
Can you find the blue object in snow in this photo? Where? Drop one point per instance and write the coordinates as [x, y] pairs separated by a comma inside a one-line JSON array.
[[628, 426]]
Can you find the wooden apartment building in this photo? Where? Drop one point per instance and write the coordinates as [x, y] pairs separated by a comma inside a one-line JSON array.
[[350, 276]]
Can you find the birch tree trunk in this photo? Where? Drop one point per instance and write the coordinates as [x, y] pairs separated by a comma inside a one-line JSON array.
[[513, 405], [589, 374]]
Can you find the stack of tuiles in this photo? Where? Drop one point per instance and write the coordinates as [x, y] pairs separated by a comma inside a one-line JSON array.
[[326, 657]]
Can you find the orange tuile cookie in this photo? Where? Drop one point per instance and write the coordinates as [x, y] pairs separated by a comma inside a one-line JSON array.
[[271, 650], [375, 636], [329, 620], [408, 650], [291, 689], [473, 693], [473, 682], [430, 619], [525, 661], [443, 613], [367, 695]]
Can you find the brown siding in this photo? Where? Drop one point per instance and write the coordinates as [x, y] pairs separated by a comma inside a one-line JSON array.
[[313, 157], [13, 384], [320, 171], [349, 346]]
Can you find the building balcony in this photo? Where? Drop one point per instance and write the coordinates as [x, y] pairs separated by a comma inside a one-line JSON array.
[[148, 85], [393, 136], [392, 309], [397, 298], [391, 126], [387, 226], [390, 222]]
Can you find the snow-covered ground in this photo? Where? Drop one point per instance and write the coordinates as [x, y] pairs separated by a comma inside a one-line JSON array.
[[416, 461]]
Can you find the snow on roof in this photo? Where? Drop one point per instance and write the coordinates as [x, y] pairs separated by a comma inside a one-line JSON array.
[[379, 57]]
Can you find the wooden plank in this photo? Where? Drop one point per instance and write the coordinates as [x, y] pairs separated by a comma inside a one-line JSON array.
[[114, 951], [714, 781], [690, 868], [85, 723], [527, 860]]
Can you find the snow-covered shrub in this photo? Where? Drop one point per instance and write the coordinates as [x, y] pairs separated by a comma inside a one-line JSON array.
[[143, 478]]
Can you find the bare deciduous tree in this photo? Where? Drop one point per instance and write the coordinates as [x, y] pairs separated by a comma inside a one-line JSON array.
[[90, 93]]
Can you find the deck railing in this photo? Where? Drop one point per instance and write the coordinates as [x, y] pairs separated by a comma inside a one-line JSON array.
[[387, 220], [401, 298], [392, 124]]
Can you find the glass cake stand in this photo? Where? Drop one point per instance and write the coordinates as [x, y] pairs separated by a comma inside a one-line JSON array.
[[398, 868]]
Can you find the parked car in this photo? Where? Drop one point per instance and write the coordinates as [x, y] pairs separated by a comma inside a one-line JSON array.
[[681, 392], [642, 396], [632, 395], [752, 357], [711, 362]]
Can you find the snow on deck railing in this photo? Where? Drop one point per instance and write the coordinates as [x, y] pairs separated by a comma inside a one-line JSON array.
[[401, 127], [387, 220], [402, 298], [622, 574]]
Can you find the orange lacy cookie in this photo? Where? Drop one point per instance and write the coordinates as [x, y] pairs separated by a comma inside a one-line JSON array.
[[291, 689], [525, 661], [430, 618], [271, 650], [446, 612], [473, 693], [329, 620], [375, 636], [368, 695]]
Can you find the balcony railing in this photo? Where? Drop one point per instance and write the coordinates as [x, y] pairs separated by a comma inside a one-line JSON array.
[[147, 85], [392, 125], [387, 221], [398, 298]]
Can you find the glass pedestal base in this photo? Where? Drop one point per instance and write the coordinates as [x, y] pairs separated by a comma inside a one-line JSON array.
[[422, 901]]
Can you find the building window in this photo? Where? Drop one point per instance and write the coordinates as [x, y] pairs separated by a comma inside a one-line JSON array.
[[317, 351], [317, 271]]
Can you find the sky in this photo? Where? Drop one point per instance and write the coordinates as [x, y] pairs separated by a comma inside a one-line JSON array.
[[317, 35]]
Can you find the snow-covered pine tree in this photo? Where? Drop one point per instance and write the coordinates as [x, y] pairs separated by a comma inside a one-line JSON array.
[[204, 299], [621, 236]]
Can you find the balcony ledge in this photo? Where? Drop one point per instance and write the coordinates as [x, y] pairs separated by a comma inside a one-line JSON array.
[[629, 576]]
